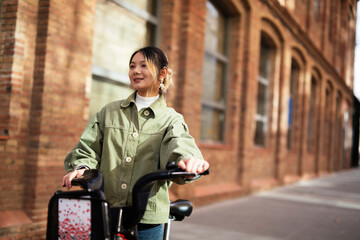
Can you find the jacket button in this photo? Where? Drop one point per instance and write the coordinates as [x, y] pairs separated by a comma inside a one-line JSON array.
[[128, 159], [135, 135], [123, 186], [146, 113]]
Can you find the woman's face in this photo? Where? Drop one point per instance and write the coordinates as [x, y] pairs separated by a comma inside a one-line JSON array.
[[140, 77]]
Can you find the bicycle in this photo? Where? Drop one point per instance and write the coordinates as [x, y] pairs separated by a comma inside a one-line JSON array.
[[85, 214]]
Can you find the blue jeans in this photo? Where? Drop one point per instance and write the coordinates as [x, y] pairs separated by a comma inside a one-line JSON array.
[[154, 233]]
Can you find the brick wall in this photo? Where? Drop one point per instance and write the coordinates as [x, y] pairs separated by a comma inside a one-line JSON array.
[[47, 59], [18, 24]]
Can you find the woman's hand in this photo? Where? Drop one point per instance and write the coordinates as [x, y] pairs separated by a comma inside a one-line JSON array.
[[194, 165], [66, 182]]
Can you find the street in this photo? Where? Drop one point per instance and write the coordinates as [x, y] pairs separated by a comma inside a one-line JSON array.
[[325, 208]]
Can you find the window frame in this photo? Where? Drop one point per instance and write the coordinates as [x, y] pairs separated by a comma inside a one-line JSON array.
[[223, 59], [294, 98], [313, 113], [337, 140], [327, 121], [267, 41], [316, 10], [6, 83], [347, 133]]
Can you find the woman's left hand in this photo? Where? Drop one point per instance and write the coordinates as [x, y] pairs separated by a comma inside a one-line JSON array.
[[194, 165]]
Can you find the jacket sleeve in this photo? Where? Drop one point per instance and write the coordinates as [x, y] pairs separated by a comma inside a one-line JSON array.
[[87, 151], [178, 145]]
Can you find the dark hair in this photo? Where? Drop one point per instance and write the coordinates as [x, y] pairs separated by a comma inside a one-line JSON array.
[[153, 54]]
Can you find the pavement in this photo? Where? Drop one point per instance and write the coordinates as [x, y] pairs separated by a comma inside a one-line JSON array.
[[325, 208]]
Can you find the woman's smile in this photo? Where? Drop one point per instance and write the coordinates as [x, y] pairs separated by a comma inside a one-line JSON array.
[[138, 79]]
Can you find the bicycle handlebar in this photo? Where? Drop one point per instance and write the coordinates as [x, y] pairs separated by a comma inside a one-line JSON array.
[[143, 186], [93, 180]]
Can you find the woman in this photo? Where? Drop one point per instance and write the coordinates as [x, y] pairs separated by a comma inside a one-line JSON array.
[[132, 137]]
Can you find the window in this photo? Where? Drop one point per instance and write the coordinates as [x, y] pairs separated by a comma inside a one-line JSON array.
[[105, 91], [265, 71], [337, 131], [121, 27], [6, 52], [317, 9], [214, 75], [294, 78], [332, 20], [327, 122], [352, 32], [312, 130], [346, 136]]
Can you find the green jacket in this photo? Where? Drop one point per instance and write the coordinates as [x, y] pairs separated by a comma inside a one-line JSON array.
[[126, 144]]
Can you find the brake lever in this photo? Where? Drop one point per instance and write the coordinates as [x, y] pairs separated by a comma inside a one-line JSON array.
[[207, 172], [172, 166], [180, 171]]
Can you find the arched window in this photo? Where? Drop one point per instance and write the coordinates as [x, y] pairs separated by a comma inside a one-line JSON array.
[[266, 70], [317, 9], [338, 132], [121, 27], [333, 19], [294, 81], [312, 115], [327, 124], [214, 75], [346, 135]]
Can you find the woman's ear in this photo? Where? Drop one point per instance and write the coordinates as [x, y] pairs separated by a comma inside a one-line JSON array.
[[163, 72]]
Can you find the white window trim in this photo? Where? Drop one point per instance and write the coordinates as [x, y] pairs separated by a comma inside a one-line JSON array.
[[264, 81], [260, 118], [222, 58], [111, 75], [138, 11]]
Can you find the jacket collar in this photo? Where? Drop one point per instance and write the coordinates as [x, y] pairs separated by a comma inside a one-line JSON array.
[[156, 107], [131, 99]]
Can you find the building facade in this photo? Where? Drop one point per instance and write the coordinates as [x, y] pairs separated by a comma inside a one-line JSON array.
[[264, 85]]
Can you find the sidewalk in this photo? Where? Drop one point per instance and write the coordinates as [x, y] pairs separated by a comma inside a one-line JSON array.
[[326, 208]]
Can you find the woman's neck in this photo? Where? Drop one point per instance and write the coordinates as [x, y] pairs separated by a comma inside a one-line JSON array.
[[144, 102]]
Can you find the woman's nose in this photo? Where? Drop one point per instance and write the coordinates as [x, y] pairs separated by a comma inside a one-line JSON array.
[[137, 70]]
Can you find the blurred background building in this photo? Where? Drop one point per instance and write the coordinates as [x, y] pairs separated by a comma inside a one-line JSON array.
[[264, 85]]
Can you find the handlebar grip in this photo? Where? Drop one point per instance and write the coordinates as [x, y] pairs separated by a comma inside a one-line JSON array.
[[180, 171], [172, 165], [92, 179], [207, 172]]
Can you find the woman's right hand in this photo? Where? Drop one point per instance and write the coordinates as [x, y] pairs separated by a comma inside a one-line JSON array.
[[66, 182]]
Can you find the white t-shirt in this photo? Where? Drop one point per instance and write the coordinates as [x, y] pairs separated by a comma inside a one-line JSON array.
[[144, 102]]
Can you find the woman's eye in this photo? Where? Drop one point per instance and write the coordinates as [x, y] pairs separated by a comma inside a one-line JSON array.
[[144, 65], [132, 66]]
